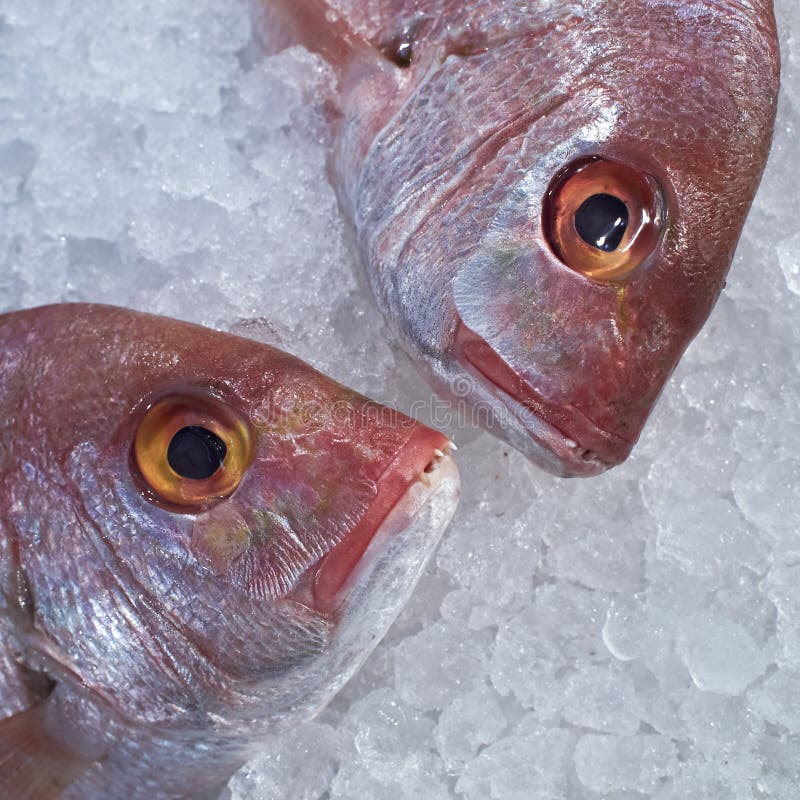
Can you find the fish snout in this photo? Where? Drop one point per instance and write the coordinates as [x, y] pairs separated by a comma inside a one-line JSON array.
[[423, 473], [560, 436]]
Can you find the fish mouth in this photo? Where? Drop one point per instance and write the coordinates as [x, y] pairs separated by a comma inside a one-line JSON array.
[[423, 468], [561, 439]]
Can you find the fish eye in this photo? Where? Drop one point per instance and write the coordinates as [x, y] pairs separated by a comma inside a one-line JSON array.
[[191, 450], [602, 218]]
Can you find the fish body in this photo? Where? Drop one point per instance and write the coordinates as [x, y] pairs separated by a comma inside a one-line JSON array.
[[483, 151], [201, 539]]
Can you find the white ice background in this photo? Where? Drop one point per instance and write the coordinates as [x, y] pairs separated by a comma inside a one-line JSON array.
[[631, 636]]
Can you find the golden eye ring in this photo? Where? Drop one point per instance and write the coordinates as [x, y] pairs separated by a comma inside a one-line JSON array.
[[191, 450], [603, 218]]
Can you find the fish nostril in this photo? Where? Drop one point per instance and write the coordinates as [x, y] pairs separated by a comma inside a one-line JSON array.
[[400, 50]]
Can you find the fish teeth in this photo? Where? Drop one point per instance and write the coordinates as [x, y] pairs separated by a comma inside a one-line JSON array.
[[433, 464], [447, 449]]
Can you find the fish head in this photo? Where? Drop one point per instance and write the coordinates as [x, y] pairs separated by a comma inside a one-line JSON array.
[[612, 248], [211, 529], [584, 212]]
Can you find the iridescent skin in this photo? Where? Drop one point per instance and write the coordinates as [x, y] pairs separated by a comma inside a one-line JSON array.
[[157, 652], [443, 166]]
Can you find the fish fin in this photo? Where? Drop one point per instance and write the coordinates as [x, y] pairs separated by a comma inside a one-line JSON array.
[[319, 28], [34, 765], [262, 330]]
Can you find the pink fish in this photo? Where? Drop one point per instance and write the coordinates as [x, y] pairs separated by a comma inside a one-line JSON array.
[[201, 539], [547, 195]]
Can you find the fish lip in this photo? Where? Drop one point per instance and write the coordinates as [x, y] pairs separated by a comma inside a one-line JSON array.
[[424, 463], [577, 446]]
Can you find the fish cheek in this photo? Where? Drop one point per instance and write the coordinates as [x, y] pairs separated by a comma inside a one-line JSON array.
[[219, 538], [254, 544]]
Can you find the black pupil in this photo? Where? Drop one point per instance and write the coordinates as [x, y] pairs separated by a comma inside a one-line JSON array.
[[196, 453], [601, 221]]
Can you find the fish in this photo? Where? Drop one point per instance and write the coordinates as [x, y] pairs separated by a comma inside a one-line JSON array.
[[201, 539], [546, 196]]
